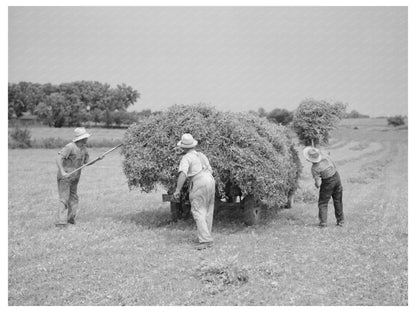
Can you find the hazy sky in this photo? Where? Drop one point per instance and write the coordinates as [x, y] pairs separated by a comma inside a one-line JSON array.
[[235, 58]]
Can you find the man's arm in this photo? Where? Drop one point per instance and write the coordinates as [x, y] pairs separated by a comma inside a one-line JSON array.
[[59, 163], [317, 182], [179, 185], [316, 177]]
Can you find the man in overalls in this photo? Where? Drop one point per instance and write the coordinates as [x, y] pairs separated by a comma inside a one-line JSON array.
[[328, 181], [195, 165], [71, 157]]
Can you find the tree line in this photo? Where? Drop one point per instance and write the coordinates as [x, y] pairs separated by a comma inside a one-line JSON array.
[[74, 103], [284, 117]]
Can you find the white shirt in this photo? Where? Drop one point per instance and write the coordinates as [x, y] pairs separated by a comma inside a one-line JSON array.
[[194, 162]]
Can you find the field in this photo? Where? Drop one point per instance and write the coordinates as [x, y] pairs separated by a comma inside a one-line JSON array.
[[124, 251], [68, 133]]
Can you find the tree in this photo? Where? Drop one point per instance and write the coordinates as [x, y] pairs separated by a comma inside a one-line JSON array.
[[355, 114], [77, 102], [56, 103], [95, 115], [24, 97], [124, 96], [280, 116], [117, 117], [313, 120], [44, 113], [74, 110], [117, 99], [262, 112]]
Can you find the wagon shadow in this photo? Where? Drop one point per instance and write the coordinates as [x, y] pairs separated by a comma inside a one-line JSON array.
[[157, 218], [225, 220], [148, 218]]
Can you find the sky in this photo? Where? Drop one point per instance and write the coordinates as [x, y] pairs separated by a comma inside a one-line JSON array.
[[234, 58]]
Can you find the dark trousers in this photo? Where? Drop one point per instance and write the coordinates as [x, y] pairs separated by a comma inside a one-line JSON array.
[[330, 187]]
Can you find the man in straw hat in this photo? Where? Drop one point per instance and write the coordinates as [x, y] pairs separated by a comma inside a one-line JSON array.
[[71, 157], [328, 180], [195, 165]]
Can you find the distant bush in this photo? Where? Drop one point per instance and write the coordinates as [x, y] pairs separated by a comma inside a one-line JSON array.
[[396, 121], [355, 114], [20, 138], [313, 120], [280, 116], [49, 143]]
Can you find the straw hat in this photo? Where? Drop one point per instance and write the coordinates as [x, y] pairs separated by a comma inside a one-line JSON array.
[[312, 154], [80, 133], [187, 141]]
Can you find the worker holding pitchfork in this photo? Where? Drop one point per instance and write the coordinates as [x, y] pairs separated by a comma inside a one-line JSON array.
[[70, 160]]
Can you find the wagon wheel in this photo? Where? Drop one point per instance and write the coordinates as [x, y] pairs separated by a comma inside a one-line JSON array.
[[252, 211], [175, 211], [186, 210], [217, 204], [180, 210]]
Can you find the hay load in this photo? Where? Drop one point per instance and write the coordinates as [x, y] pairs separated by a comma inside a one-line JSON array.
[[249, 155]]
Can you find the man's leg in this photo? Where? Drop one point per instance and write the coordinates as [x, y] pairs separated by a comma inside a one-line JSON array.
[[337, 198], [211, 204], [63, 190], [73, 202], [324, 197], [199, 212]]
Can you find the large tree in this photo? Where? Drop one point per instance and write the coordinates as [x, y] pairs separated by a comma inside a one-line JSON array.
[[53, 110], [77, 102], [24, 97]]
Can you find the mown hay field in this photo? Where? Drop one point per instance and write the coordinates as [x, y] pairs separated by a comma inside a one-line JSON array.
[[68, 133], [124, 251]]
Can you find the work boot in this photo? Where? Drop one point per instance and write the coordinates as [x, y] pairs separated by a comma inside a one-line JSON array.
[[72, 221], [340, 223], [322, 224], [204, 245]]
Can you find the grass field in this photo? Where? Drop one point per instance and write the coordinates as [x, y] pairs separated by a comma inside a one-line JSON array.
[[68, 133], [124, 251]]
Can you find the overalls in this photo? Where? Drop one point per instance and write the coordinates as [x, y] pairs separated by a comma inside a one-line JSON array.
[[330, 187], [202, 198], [73, 158]]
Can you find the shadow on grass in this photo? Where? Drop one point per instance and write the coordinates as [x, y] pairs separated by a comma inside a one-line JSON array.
[[148, 218], [225, 220]]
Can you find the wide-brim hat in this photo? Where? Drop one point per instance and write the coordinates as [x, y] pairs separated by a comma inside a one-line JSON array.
[[187, 141], [80, 133], [312, 154]]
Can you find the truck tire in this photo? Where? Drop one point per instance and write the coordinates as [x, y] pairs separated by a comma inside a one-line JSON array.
[[251, 211]]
